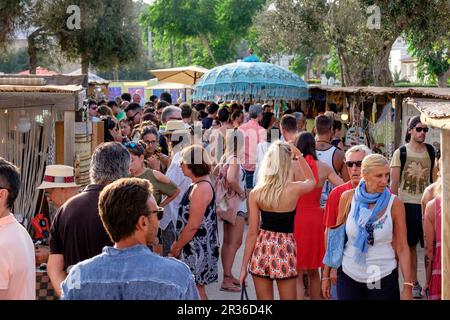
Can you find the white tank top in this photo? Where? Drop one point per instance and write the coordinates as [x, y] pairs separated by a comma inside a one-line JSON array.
[[380, 258], [327, 156]]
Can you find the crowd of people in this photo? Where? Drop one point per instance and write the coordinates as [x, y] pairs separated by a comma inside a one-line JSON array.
[[146, 227]]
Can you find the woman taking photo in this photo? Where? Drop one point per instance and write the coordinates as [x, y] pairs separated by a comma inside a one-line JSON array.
[[270, 250], [162, 186], [375, 228], [197, 242], [309, 227], [154, 158]]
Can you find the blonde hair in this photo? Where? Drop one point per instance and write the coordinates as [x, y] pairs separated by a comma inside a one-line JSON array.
[[371, 161], [273, 175]]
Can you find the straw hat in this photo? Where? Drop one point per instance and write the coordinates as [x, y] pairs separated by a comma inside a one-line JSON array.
[[58, 176], [177, 126]]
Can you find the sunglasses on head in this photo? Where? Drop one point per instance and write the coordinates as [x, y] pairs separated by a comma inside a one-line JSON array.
[[159, 213], [350, 164], [420, 129]]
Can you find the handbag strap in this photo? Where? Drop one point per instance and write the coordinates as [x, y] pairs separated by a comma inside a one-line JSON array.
[[244, 295], [342, 218]]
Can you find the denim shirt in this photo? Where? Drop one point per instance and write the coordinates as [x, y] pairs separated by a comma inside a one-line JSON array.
[[133, 273]]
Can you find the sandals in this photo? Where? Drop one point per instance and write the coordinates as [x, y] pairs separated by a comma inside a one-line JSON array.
[[233, 288]]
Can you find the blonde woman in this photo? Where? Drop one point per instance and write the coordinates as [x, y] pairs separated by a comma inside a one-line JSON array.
[[270, 251], [376, 231]]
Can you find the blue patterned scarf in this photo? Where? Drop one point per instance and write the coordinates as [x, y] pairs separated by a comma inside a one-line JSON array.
[[364, 218]]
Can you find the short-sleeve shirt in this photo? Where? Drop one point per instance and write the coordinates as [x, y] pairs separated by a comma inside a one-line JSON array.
[[159, 188], [77, 231], [415, 176], [253, 135], [17, 261], [332, 206], [207, 122]]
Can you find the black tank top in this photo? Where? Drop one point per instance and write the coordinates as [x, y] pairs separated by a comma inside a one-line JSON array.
[[278, 221]]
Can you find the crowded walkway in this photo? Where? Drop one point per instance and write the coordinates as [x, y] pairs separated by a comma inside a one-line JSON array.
[[189, 202]]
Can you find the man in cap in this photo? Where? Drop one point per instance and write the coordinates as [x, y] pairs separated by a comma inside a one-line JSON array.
[[411, 172]]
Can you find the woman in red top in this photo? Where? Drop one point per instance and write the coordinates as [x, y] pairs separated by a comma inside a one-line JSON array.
[[309, 228]]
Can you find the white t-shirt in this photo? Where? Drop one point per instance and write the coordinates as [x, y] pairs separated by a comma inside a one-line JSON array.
[[17, 261]]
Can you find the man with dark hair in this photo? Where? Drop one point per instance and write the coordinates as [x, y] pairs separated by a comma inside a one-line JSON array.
[[77, 232], [165, 96], [153, 99], [288, 126], [134, 113], [186, 113], [212, 113], [92, 109], [129, 270], [119, 114], [17, 262], [326, 152], [201, 107], [411, 172], [126, 97]]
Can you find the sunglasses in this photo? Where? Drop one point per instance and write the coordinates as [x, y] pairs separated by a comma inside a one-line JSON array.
[[134, 116], [159, 213], [175, 118], [420, 129], [93, 108], [370, 236], [350, 164], [150, 142]]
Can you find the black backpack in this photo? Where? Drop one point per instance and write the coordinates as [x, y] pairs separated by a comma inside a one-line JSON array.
[[431, 153]]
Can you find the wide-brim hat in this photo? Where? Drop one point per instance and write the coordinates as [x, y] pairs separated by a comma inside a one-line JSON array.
[[58, 176], [176, 126]]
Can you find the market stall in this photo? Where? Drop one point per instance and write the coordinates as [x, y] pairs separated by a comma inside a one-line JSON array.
[[30, 109], [376, 116], [436, 113]]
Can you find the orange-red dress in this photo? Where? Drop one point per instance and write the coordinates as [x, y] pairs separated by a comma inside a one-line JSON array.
[[308, 227]]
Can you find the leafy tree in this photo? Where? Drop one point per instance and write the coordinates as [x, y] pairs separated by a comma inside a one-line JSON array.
[[311, 25], [218, 26], [14, 61], [11, 18], [431, 45], [109, 35]]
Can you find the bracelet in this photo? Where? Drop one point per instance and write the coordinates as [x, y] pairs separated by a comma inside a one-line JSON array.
[[408, 284], [325, 278]]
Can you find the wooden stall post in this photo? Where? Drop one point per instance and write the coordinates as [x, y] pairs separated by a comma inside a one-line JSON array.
[[69, 138], [445, 214], [398, 120]]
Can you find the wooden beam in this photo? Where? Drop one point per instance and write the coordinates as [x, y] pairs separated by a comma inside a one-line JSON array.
[[442, 123], [59, 142], [398, 102], [445, 214], [69, 138]]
